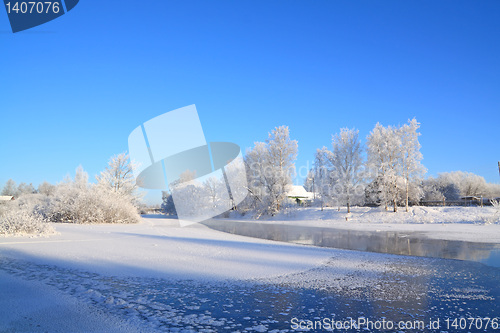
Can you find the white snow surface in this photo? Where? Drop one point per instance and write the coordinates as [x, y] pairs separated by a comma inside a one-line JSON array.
[[31, 306], [448, 223], [62, 283], [80, 257], [158, 247]]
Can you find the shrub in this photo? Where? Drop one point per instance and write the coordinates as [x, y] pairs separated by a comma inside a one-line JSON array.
[[21, 217], [89, 205]]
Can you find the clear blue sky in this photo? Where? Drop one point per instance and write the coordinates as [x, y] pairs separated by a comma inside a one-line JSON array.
[[72, 90]]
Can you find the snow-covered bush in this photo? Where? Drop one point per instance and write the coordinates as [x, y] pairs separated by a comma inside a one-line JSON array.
[[91, 205], [76, 201], [288, 210], [495, 217], [101, 205], [24, 216]]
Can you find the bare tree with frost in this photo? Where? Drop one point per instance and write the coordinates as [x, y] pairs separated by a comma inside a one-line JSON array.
[[270, 168], [347, 164], [119, 176], [10, 188], [411, 168], [383, 147], [321, 174]]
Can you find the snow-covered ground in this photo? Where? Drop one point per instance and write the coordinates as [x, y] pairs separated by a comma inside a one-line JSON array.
[[32, 306], [156, 248], [160, 248], [156, 276], [448, 223]]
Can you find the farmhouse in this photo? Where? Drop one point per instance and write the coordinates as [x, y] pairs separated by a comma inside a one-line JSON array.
[[5, 198], [299, 194]]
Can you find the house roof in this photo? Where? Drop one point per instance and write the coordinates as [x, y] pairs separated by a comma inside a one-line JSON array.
[[297, 191]]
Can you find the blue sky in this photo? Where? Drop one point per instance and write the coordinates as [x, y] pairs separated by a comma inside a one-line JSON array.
[[72, 90]]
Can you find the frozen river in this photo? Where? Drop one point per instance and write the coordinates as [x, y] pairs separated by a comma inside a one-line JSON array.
[[393, 242]]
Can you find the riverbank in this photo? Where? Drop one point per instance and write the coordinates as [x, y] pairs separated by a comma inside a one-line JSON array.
[[447, 223]]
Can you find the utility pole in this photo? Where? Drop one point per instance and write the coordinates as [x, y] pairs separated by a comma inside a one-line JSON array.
[[499, 167]]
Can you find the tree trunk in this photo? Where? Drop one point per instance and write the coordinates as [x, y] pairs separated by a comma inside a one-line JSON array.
[[314, 190], [395, 196], [407, 195]]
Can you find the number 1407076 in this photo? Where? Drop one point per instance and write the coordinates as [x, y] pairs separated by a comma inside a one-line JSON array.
[[37, 7]]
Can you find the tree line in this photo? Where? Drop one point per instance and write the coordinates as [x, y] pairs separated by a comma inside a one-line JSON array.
[[387, 172], [112, 199]]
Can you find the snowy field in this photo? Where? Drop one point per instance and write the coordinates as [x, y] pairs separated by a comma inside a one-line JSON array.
[[156, 276], [450, 223]]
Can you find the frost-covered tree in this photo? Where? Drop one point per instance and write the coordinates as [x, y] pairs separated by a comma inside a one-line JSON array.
[[374, 191], [347, 163], [197, 197], [282, 155], [440, 189], [455, 184], [411, 168], [118, 175], [215, 188], [383, 148], [46, 188], [24, 189], [473, 185], [190, 198], [258, 183], [494, 190], [270, 167], [432, 191], [322, 175], [168, 206], [310, 182], [10, 188], [394, 161], [81, 180]]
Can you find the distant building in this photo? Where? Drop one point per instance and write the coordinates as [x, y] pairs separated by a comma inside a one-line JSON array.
[[299, 194], [476, 200], [470, 198], [5, 198]]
